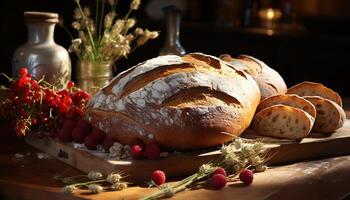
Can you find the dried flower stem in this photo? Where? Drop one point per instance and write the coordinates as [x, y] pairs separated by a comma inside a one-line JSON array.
[[91, 39], [101, 20]]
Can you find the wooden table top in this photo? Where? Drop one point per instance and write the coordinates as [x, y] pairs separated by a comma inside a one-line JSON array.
[[32, 178]]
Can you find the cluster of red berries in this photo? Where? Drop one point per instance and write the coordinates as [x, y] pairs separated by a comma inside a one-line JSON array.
[[219, 178], [151, 151], [80, 131], [39, 106]]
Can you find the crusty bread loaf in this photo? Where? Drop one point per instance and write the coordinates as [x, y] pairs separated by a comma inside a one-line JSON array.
[[269, 81], [283, 122], [288, 100], [330, 116], [308, 88], [189, 102]]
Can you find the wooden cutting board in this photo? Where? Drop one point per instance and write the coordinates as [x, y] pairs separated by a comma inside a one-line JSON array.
[[185, 163]]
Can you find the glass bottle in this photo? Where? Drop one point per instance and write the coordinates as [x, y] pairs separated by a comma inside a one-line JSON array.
[[172, 43], [40, 54]]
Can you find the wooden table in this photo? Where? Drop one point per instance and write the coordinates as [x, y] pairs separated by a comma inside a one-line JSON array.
[[32, 178]]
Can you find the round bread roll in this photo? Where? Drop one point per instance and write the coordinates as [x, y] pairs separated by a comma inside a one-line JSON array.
[[189, 102], [288, 100], [308, 88], [269, 81], [330, 116]]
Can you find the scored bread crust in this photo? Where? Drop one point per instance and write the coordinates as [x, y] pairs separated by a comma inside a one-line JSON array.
[[283, 122], [269, 81], [288, 100], [308, 88], [330, 116], [189, 102]]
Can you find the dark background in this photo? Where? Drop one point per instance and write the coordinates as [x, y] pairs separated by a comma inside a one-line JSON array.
[[310, 42]]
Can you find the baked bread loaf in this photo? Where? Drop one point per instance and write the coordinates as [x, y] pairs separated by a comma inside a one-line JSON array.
[[330, 116], [189, 102], [269, 81], [283, 121], [308, 88], [288, 100]]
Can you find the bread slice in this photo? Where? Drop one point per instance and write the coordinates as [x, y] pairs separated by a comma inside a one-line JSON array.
[[288, 100], [283, 122], [307, 88], [330, 116]]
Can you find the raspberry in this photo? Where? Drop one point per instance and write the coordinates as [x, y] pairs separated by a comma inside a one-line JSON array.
[[69, 124], [23, 71], [220, 170], [107, 143], [90, 142], [218, 181], [65, 134], [98, 135], [79, 135], [137, 152], [246, 176], [158, 177], [153, 150], [85, 125]]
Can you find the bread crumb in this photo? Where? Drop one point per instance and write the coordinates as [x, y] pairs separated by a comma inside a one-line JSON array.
[[41, 156], [18, 155]]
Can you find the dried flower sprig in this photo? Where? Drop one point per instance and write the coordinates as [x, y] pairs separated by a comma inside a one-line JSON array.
[[107, 37], [235, 157], [93, 181]]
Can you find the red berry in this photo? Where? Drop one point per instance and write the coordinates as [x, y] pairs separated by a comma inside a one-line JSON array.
[[246, 176], [23, 71], [218, 181], [65, 134], [107, 143], [153, 150], [70, 84], [90, 142], [137, 152], [85, 125], [34, 121], [138, 142], [98, 135], [158, 177], [79, 135], [220, 170], [69, 124]]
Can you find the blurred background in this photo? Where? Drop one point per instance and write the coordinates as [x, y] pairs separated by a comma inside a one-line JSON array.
[[301, 39]]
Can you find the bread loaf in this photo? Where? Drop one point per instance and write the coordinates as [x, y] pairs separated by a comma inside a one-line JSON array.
[[189, 102], [330, 116], [288, 100], [308, 88], [283, 122], [269, 81]]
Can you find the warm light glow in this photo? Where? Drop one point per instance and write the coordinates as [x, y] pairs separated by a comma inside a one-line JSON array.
[[270, 14]]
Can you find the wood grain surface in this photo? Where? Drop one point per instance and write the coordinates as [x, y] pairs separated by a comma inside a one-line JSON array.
[[281, 151], [32, 178]]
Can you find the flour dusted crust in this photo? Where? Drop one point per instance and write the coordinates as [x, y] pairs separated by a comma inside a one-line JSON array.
[[189, 102], [288, 100], [283, 122], [269, 81], [330, 116], [308, 88]]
